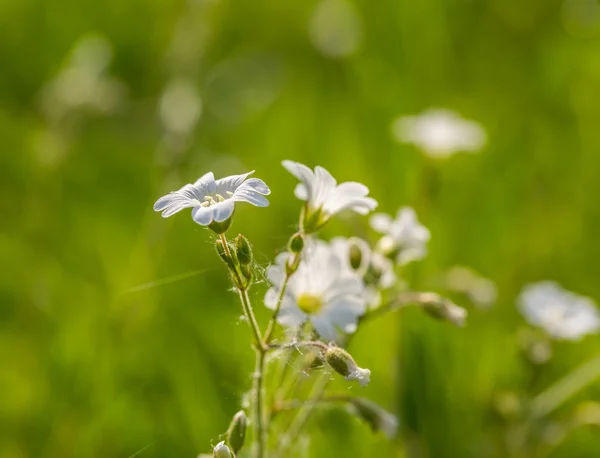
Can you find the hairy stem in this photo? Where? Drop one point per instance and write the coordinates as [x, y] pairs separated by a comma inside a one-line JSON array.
[[261, 351]]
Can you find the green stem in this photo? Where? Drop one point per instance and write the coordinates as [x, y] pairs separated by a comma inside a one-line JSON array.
[[553, 397], [261, 351], [271, 325], [303, 415]]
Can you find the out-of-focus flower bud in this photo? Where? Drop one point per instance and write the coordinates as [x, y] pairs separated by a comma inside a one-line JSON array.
[[236, 433], [291, 265], [243, 250], [296, 243], [342, 362], [443, 309], [222, 451], [378, 418]]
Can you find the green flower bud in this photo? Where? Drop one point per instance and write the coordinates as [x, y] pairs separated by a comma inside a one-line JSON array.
[[292, 264], [355, 254], [376, 417], [443, 309], [296, 243], [312, 220], [223, 254], [221, 227], [243, 250], [342, 362], [222, 451], [237, 431]]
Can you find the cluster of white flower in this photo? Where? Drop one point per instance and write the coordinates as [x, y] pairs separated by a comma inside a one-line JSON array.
[[320, 291]]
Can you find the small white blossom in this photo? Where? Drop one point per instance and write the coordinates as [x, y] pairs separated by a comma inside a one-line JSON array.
[[404, 236], [439, 133], [362, 376], [324, 197], [375, 269], [320, 291], [214, 200], [563, 314]]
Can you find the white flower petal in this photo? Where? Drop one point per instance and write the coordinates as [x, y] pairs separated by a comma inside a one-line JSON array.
[[205, 179], [258, 185], [251, 196], [300, 191], [173, 203], [222, 210], [303, 173], [381, 222], [202, 215], [324, 327], [231, 183], [344, 313], [290, 315]]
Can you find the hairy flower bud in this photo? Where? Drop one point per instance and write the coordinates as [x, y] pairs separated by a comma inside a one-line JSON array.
[[296, 243], [236, 433], [378, 418], [223, 253], [243, 250], [342, 362], [222, 451]]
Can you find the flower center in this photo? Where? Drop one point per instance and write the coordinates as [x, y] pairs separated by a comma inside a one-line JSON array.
[[309, 303], [215, 199]]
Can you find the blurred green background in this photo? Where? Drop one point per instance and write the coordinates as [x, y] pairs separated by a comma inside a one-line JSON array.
[[106, 106]]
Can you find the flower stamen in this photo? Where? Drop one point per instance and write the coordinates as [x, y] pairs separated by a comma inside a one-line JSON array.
[[309, 303]]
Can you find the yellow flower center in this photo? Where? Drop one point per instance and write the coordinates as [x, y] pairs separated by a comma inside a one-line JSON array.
[[309, 303]]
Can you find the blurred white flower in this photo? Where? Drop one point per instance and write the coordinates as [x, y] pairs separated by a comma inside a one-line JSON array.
[[84, 82], [561, 313], [375, 269], [324, 197], [481, 291], [404, 237], [180, 106], [439, 133], [335, 28], [321, 291], [214, 200]]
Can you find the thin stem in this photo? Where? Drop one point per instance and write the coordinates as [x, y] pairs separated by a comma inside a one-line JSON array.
[[401, 300], [553, 397], [298, 345], [303, 415], [258, 402], [282, 289], [261, 352]]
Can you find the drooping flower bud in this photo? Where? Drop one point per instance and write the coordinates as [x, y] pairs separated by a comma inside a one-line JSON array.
[[378, 418], [342, 362], [296, 243], [236, 433], [243, 250], [222, 451], [443, 309]]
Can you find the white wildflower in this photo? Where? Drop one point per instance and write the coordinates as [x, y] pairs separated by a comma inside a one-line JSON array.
[[561, 313], [440, 133], [375, 269], [214, 200], [324, 197], [320, 291], [404, 237]]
